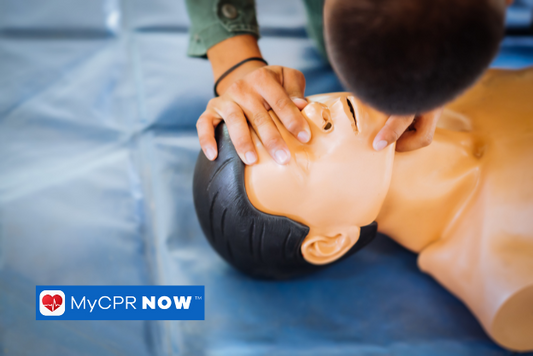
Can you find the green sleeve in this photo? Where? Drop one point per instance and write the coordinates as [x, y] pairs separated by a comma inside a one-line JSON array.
[[315, 24], [213, 21]]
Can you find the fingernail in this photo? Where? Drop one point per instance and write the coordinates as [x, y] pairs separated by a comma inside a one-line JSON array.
[[281, 156], [299, 101], [250, 157], [304, 136], [210, 153], [380, 145]]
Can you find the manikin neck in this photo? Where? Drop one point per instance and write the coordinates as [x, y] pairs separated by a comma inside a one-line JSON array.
[[428, 187]]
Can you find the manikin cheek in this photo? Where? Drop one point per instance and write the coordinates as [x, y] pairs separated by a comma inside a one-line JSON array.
[[351, 191]]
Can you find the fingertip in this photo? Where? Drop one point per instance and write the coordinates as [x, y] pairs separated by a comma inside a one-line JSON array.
[[304, 136], [250, 157], [379, 145], [300, 103], [210, 153], [281, 156]]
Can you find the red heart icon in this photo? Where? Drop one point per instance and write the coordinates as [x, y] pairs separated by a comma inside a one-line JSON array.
[[52, 303]]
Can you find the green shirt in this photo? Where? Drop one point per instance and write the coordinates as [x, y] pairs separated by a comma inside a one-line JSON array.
[[213, 21]]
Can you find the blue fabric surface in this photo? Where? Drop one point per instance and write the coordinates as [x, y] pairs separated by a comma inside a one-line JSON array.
[[97, 111]]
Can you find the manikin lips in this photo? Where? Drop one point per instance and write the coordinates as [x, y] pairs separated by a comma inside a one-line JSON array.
[[52, 303]]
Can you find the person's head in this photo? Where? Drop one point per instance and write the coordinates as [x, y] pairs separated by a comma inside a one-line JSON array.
[[411, 56], [281, 221], [334, 184]]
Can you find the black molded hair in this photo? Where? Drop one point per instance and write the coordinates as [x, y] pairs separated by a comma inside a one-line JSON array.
[[256, 243], [411, 56]]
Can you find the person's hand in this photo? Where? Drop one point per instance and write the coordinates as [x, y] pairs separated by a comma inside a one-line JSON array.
[[248, 100], [409, 132]]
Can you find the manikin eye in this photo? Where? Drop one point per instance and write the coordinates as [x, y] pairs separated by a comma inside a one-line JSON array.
[[352, 111]]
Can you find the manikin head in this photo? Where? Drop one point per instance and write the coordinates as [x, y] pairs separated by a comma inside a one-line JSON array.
[[278, 221], [411, 56]]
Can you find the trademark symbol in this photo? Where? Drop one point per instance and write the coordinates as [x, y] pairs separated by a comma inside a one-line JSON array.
[[197, 297]]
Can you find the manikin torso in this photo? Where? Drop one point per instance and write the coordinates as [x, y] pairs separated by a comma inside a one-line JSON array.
[[464, 203]]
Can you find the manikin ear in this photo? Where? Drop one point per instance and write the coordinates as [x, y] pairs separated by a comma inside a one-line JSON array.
[[320, 250]]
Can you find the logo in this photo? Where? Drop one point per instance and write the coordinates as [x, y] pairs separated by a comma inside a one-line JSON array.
[[51, 302], [120, 302]]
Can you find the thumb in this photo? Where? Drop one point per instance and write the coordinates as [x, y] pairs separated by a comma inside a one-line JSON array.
[[391, 132]]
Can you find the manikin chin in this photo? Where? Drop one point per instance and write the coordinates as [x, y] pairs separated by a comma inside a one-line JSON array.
[[464, 203]]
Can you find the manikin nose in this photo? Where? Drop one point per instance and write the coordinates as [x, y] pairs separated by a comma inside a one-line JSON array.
[[319, 115]]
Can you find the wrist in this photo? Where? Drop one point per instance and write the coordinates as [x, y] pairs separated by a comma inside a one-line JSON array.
[[229, 52]]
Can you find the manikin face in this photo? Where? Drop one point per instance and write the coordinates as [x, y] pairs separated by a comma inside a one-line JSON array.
[[334, 184]]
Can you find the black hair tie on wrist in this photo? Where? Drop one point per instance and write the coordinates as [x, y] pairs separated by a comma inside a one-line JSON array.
[[233, 68]]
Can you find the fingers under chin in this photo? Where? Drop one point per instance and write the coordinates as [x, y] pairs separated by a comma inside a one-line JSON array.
[[420, 133], [413, 140], [393, 130]]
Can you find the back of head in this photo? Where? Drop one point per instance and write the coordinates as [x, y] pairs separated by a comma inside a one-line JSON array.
[[411, 56]]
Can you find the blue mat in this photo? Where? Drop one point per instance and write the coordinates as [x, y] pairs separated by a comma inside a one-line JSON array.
[[97, 111]]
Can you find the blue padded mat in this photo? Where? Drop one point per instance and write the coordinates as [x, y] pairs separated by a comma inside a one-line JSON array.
[[97, 111]]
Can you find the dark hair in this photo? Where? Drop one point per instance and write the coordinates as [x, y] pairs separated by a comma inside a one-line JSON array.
[[411, 56], [257, 243]]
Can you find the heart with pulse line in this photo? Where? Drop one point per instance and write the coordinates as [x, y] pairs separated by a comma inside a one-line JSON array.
[[52, 303]]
